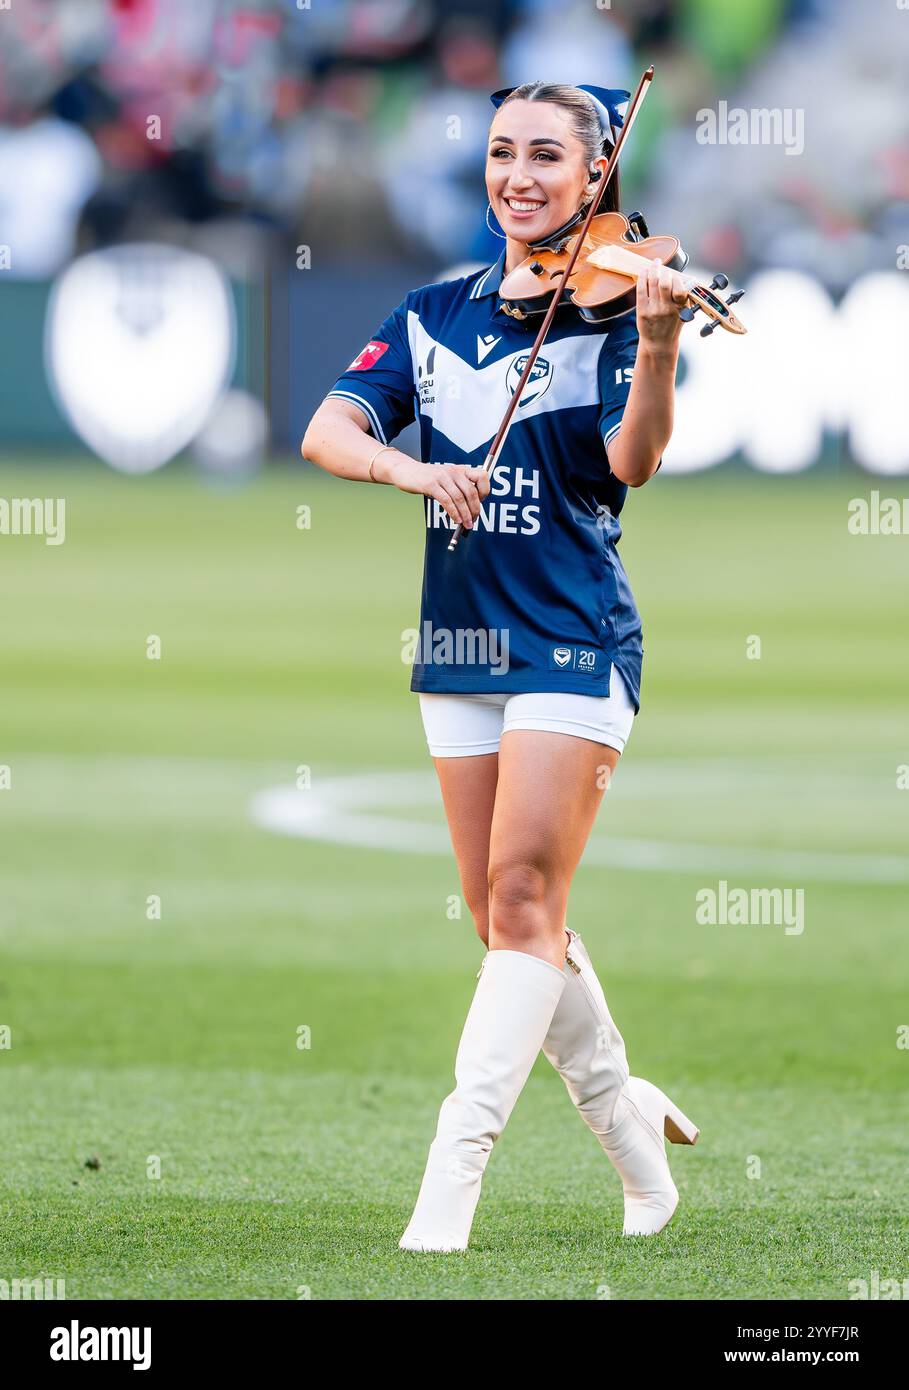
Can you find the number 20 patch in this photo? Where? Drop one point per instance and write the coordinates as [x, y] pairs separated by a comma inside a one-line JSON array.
[[581, 659]]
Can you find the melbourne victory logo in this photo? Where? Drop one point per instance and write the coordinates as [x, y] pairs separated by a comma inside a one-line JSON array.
[[540, 377]]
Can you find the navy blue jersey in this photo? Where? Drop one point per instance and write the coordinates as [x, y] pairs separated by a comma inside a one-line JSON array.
[[534, 597]]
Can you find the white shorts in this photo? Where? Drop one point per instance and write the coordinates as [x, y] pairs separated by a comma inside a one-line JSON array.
[[462, 726]]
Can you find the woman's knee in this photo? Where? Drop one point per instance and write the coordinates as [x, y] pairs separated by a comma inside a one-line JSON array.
[[520, 896], [515, 885]]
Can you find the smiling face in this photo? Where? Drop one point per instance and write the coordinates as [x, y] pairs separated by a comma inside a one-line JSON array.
[[537, 173]]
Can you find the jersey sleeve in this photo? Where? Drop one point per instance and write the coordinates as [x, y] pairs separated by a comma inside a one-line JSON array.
[[615, 369], [380, 378]]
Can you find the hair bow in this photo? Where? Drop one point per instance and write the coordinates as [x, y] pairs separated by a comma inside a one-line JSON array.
[[605, 99]]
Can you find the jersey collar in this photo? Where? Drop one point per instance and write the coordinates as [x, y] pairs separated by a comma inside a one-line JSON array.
[[491, 279]]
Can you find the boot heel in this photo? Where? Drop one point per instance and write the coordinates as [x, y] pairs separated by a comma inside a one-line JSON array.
[[677, 1127]]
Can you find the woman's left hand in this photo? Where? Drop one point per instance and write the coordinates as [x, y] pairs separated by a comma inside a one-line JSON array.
[[661, 293]]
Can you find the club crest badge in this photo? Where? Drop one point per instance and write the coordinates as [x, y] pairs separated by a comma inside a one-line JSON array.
[[538, 382]]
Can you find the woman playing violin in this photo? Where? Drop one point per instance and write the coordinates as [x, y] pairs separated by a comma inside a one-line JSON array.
[[529, 662]]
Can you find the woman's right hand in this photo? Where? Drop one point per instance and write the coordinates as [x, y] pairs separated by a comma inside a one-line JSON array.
[[458, 487]]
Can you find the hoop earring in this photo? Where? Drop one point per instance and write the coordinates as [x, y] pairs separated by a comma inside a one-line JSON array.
[[500, 235]]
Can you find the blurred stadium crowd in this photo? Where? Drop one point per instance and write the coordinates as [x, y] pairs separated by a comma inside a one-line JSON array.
[[325, 124], [348, 137]]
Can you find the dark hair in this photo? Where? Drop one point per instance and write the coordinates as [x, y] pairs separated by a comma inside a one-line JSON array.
[[585, 125]]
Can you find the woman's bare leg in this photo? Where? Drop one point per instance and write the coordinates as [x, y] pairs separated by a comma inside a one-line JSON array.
[[548, 792], [469, 795], [543, 814]]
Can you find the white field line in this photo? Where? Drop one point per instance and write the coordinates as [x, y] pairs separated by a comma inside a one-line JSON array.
[[331, 813]]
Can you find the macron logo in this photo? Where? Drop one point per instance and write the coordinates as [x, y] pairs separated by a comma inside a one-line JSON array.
[[485, 346], [75, 1343]]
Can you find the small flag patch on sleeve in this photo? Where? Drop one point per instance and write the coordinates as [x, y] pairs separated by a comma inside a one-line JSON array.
[[368, 357]]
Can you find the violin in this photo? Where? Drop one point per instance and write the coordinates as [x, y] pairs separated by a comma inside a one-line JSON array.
[[601, 284]]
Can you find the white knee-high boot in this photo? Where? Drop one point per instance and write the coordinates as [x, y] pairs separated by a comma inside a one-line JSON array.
[[628, 1115], [511, 1011], [584, 1045]]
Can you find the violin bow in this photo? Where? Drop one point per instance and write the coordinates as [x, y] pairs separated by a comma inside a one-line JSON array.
[[492, 457]]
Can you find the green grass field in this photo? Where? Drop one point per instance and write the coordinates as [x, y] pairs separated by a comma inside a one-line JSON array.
[[286, 1169]]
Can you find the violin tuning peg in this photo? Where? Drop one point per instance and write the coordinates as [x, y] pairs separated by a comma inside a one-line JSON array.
[[735, 297], [709, 328], [687, 314], [719, 281]]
